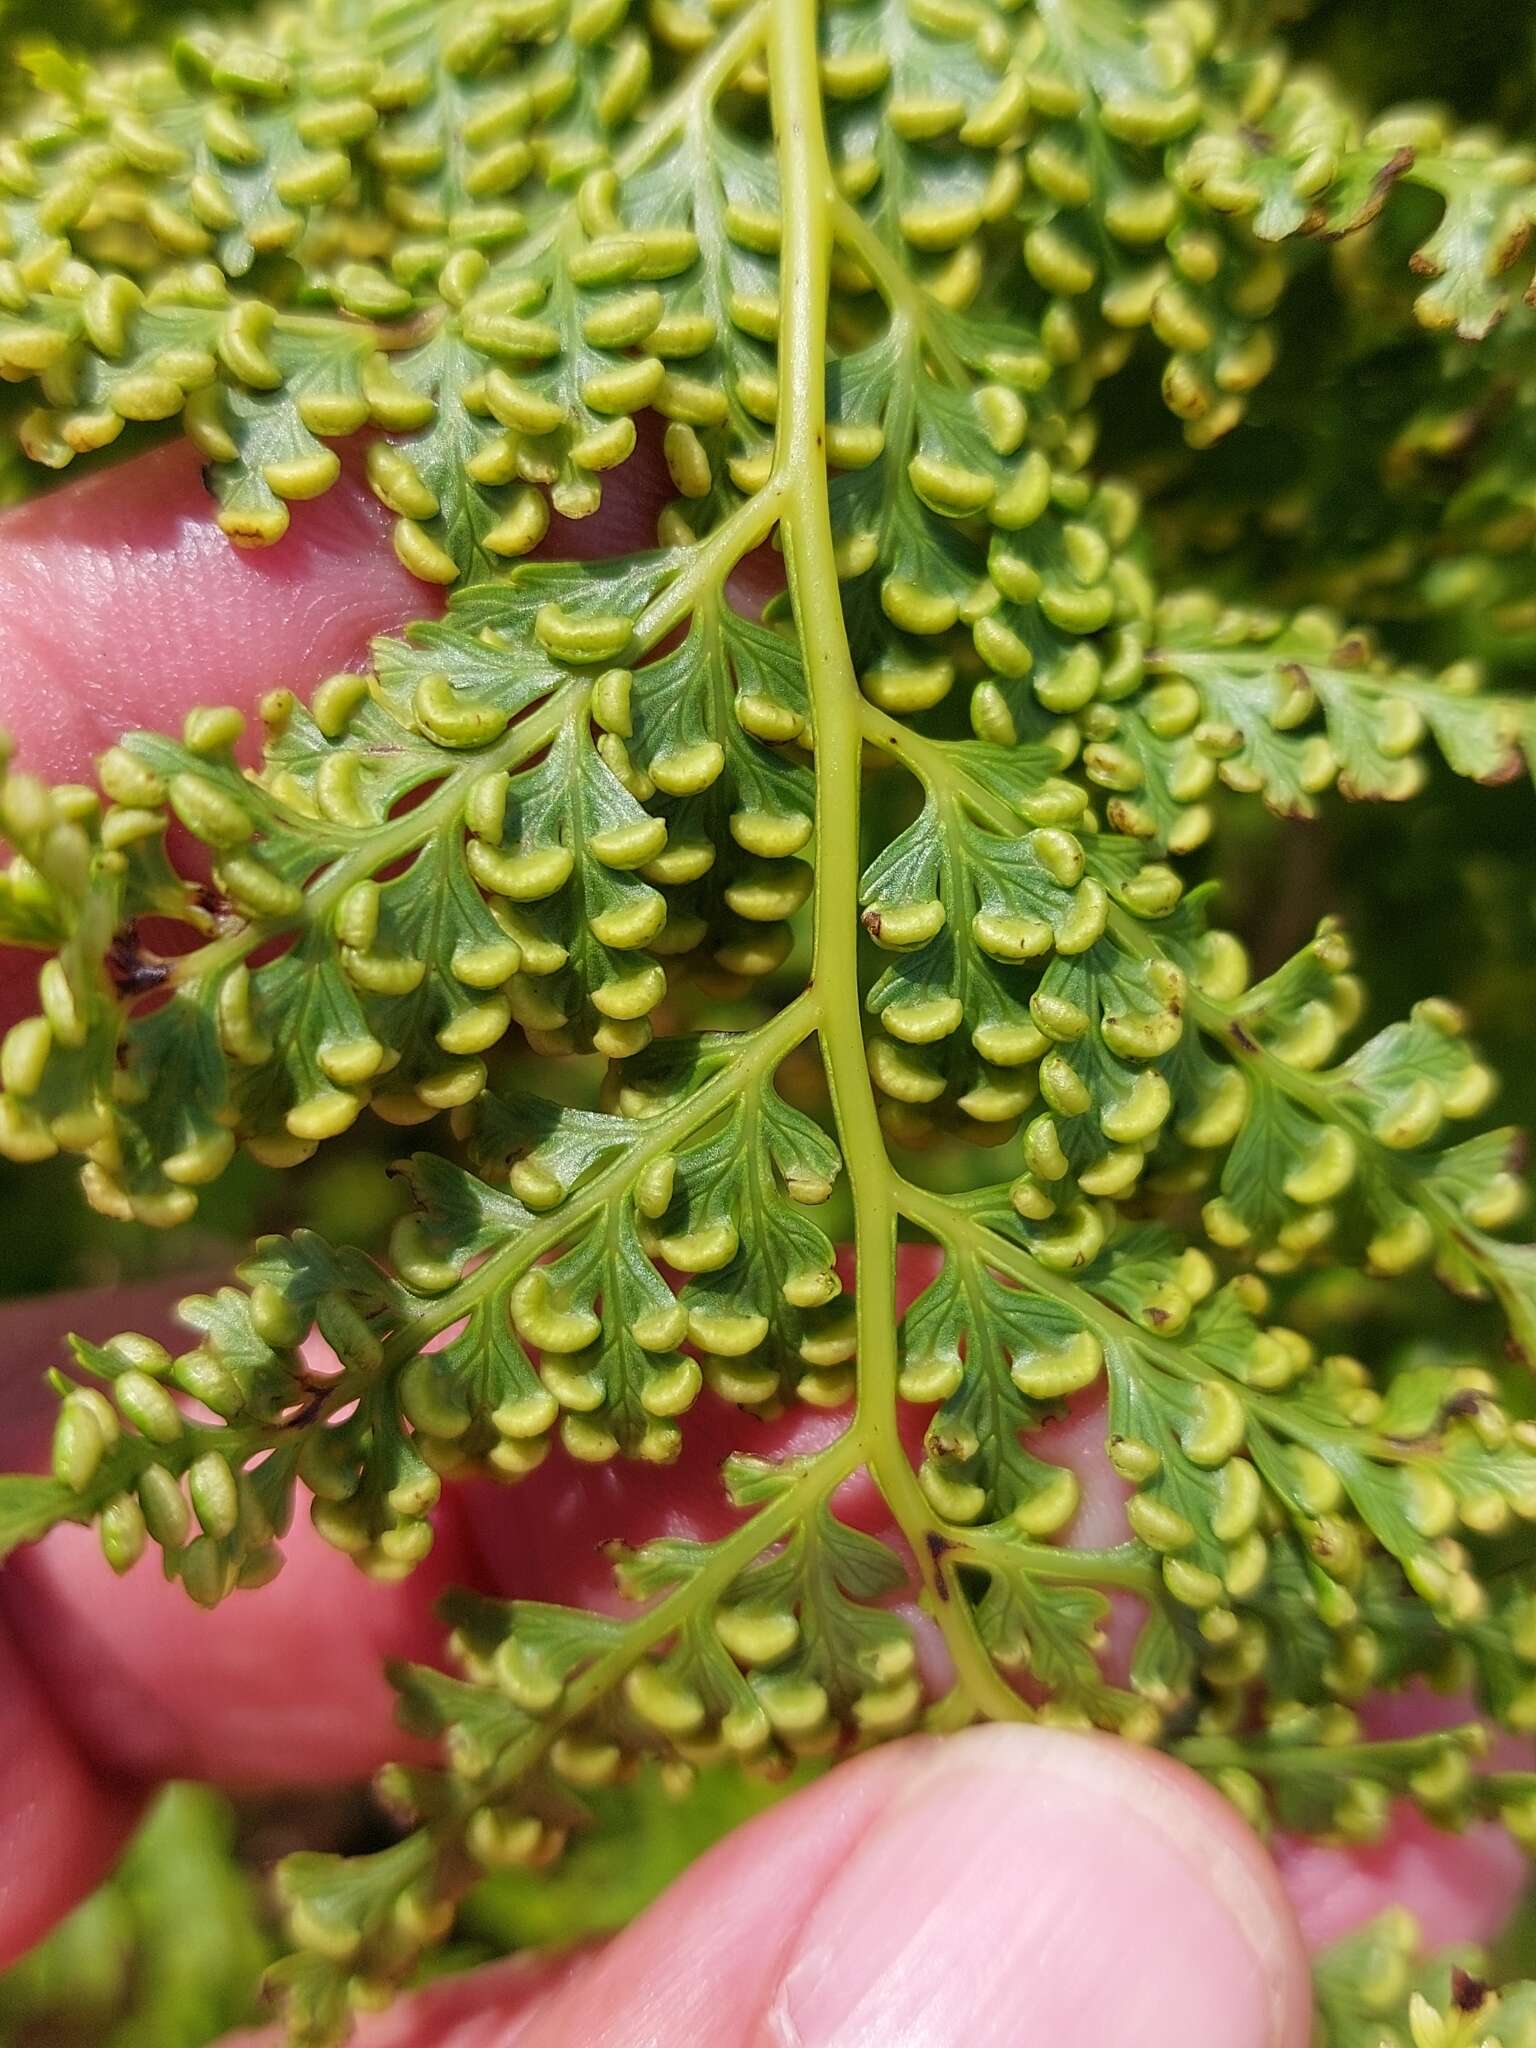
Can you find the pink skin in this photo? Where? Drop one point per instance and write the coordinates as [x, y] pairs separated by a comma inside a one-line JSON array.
[[926, 1895]]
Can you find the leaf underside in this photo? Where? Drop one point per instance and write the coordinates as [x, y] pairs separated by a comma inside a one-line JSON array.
[[820, 902]]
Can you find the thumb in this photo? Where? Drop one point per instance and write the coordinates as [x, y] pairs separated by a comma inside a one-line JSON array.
[[1004, 1887]]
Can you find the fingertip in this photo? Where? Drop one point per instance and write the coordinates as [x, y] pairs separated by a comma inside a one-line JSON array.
[[939, 1892], [282, 1685], [60, 1824], [33, 1334], [1065, 1849], [625, 520], [122, 604], [1459, 1888]]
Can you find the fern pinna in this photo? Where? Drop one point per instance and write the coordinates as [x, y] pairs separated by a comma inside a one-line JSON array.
[[816, 898]]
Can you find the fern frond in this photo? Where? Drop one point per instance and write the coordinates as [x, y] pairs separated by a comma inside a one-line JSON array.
[[375, 162], [1375, 1986], [1310, 165], [901, 864], [530, 885], [1287, 710]]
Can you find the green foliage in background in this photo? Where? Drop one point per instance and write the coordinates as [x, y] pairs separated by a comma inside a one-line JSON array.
[[167, 1954]]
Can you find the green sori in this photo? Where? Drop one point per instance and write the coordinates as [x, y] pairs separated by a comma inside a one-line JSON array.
[[869, 265]]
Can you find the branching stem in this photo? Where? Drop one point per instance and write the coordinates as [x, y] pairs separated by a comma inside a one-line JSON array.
[[1220, 1021], [809, 199], [727, 1560], [952, 1227]]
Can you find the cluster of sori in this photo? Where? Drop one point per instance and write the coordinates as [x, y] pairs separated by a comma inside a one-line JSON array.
[[852, 886]]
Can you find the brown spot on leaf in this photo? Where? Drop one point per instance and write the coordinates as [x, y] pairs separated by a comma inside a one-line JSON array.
[[872, 922], [133, 972], [1513, 246], [1401, 160], [305, 1413], [1510, 768], [1468, 1993], [1356, 793], [1316, 223], [1295, 810]]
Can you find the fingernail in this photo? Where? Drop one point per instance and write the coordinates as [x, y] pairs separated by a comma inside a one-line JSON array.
[[1068, 1891]]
